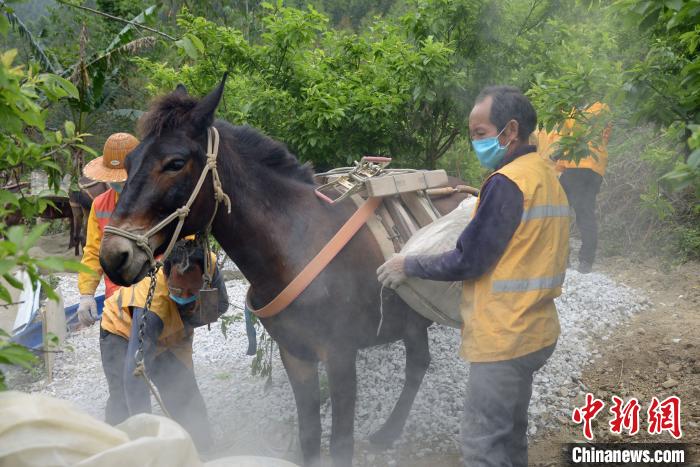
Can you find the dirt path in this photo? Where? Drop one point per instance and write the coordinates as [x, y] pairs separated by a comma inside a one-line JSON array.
[[656, 354]]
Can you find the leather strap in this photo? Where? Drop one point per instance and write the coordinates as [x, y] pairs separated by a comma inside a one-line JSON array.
[[319, 263]]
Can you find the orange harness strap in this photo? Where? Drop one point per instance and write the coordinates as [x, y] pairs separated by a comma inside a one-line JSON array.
[[320, 261]]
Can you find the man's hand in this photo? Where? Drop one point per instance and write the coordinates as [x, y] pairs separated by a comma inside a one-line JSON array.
[[87, 310], [391, 274]]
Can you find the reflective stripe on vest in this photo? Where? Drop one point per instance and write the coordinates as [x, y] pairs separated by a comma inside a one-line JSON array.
[[524, 285], [103, 214], [546, 210]]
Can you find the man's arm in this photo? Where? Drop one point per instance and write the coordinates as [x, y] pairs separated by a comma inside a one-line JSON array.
[[87, 282], [482, 242], [138, 399]]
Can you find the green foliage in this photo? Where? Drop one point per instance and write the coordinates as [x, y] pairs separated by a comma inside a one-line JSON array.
[[329, 94], [665, 82], [15, 355], [638, 214], [27, 144]]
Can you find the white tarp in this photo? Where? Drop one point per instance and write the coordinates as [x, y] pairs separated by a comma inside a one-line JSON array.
[[27, 303], [437, 300], [41, 431]]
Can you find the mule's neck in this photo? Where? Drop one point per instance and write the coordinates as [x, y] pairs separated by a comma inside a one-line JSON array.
[[268, 233]]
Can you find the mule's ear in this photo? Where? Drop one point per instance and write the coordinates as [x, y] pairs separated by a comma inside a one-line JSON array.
[[203, 113], [181, 89]]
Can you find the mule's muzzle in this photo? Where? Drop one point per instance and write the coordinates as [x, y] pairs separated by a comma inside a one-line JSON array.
[[122, 260]]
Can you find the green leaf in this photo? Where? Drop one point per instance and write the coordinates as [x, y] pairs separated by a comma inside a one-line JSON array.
[[35, 234], [50, 293], [69, 127], [13, 281], [6, 265], [52, 264], [674, 4], [5, 295], [18, 355], [7, 197], [197, 43], [186, 44], [694, 159]]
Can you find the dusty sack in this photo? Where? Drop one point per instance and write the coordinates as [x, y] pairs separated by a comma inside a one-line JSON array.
[[438, 301], [41, 431]]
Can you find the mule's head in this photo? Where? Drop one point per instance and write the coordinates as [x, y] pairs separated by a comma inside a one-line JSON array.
[[162, 173]]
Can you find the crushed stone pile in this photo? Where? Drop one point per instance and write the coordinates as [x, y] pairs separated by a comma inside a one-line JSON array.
[[251, 415]]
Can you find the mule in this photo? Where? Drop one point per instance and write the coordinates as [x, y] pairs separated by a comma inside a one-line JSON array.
[[276, 225]]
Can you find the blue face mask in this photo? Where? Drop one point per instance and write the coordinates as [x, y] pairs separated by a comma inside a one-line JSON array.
[[183, 301], [489, 151], [116, 187]]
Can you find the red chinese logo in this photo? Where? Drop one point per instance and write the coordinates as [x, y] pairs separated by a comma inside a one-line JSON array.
[[661, 416], [625, 417], [665, 416], [587, 413]]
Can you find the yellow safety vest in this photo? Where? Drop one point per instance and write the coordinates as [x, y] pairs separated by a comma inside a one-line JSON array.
[[116, 316], [509, 311], [598, 163]]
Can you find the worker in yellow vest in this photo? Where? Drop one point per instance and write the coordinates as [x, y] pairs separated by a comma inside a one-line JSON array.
[[169, 325], [108, 168], [581, 181], [512, 256]]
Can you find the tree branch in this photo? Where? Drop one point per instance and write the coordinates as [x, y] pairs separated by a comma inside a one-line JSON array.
[[116, 18]]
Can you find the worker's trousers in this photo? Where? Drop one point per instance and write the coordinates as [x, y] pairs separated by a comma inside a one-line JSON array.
[[582, 187], [494, 424], [176, 384]]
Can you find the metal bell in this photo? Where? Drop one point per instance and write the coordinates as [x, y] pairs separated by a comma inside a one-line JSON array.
[[208, 305]]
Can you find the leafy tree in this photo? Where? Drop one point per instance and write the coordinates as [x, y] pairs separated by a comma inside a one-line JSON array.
[[27, 144], [330, 95], [665, 82]]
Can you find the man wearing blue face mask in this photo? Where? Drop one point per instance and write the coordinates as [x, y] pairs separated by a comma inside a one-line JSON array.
[[512, 257], [167, 341]]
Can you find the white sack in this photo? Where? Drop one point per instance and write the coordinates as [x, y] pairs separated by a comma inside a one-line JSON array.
[[42, 431], [438, 301]]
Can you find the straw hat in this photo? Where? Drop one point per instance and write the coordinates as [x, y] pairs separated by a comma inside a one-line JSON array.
[[109, 167]]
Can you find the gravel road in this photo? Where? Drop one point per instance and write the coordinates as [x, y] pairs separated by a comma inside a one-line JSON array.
[[252, 417]]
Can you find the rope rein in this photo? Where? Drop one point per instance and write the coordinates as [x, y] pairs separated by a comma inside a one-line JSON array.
[[181, 213]]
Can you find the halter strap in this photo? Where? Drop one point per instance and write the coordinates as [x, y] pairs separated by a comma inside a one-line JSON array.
[[181, 213]]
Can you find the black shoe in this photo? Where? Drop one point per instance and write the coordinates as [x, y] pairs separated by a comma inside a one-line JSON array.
[[584, 267]]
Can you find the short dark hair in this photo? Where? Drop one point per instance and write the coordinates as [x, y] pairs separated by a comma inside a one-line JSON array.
[[186, 254], [508, 103]]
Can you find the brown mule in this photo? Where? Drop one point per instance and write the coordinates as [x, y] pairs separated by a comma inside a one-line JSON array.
[[275, 226]]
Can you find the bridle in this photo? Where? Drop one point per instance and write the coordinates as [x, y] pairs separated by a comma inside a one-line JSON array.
[[181, 213]]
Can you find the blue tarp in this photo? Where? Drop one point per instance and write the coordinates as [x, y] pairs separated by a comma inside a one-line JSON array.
[[31, 335]]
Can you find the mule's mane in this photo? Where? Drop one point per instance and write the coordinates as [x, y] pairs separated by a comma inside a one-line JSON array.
[[166, 113], [172, 111]]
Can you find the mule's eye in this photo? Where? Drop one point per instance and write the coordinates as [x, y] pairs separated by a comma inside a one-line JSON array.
[[174, 165]]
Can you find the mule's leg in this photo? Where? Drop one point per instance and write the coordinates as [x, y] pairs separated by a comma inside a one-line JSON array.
[[342, 382], [417, 362], [303, 376]]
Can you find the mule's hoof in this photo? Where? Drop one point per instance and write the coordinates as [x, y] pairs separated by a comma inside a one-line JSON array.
[[382, 438]]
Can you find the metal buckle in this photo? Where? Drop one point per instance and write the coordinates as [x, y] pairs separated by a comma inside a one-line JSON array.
[[353, 181]]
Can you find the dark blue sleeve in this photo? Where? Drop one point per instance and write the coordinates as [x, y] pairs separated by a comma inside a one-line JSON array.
[[482, 242], [138, 399]]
